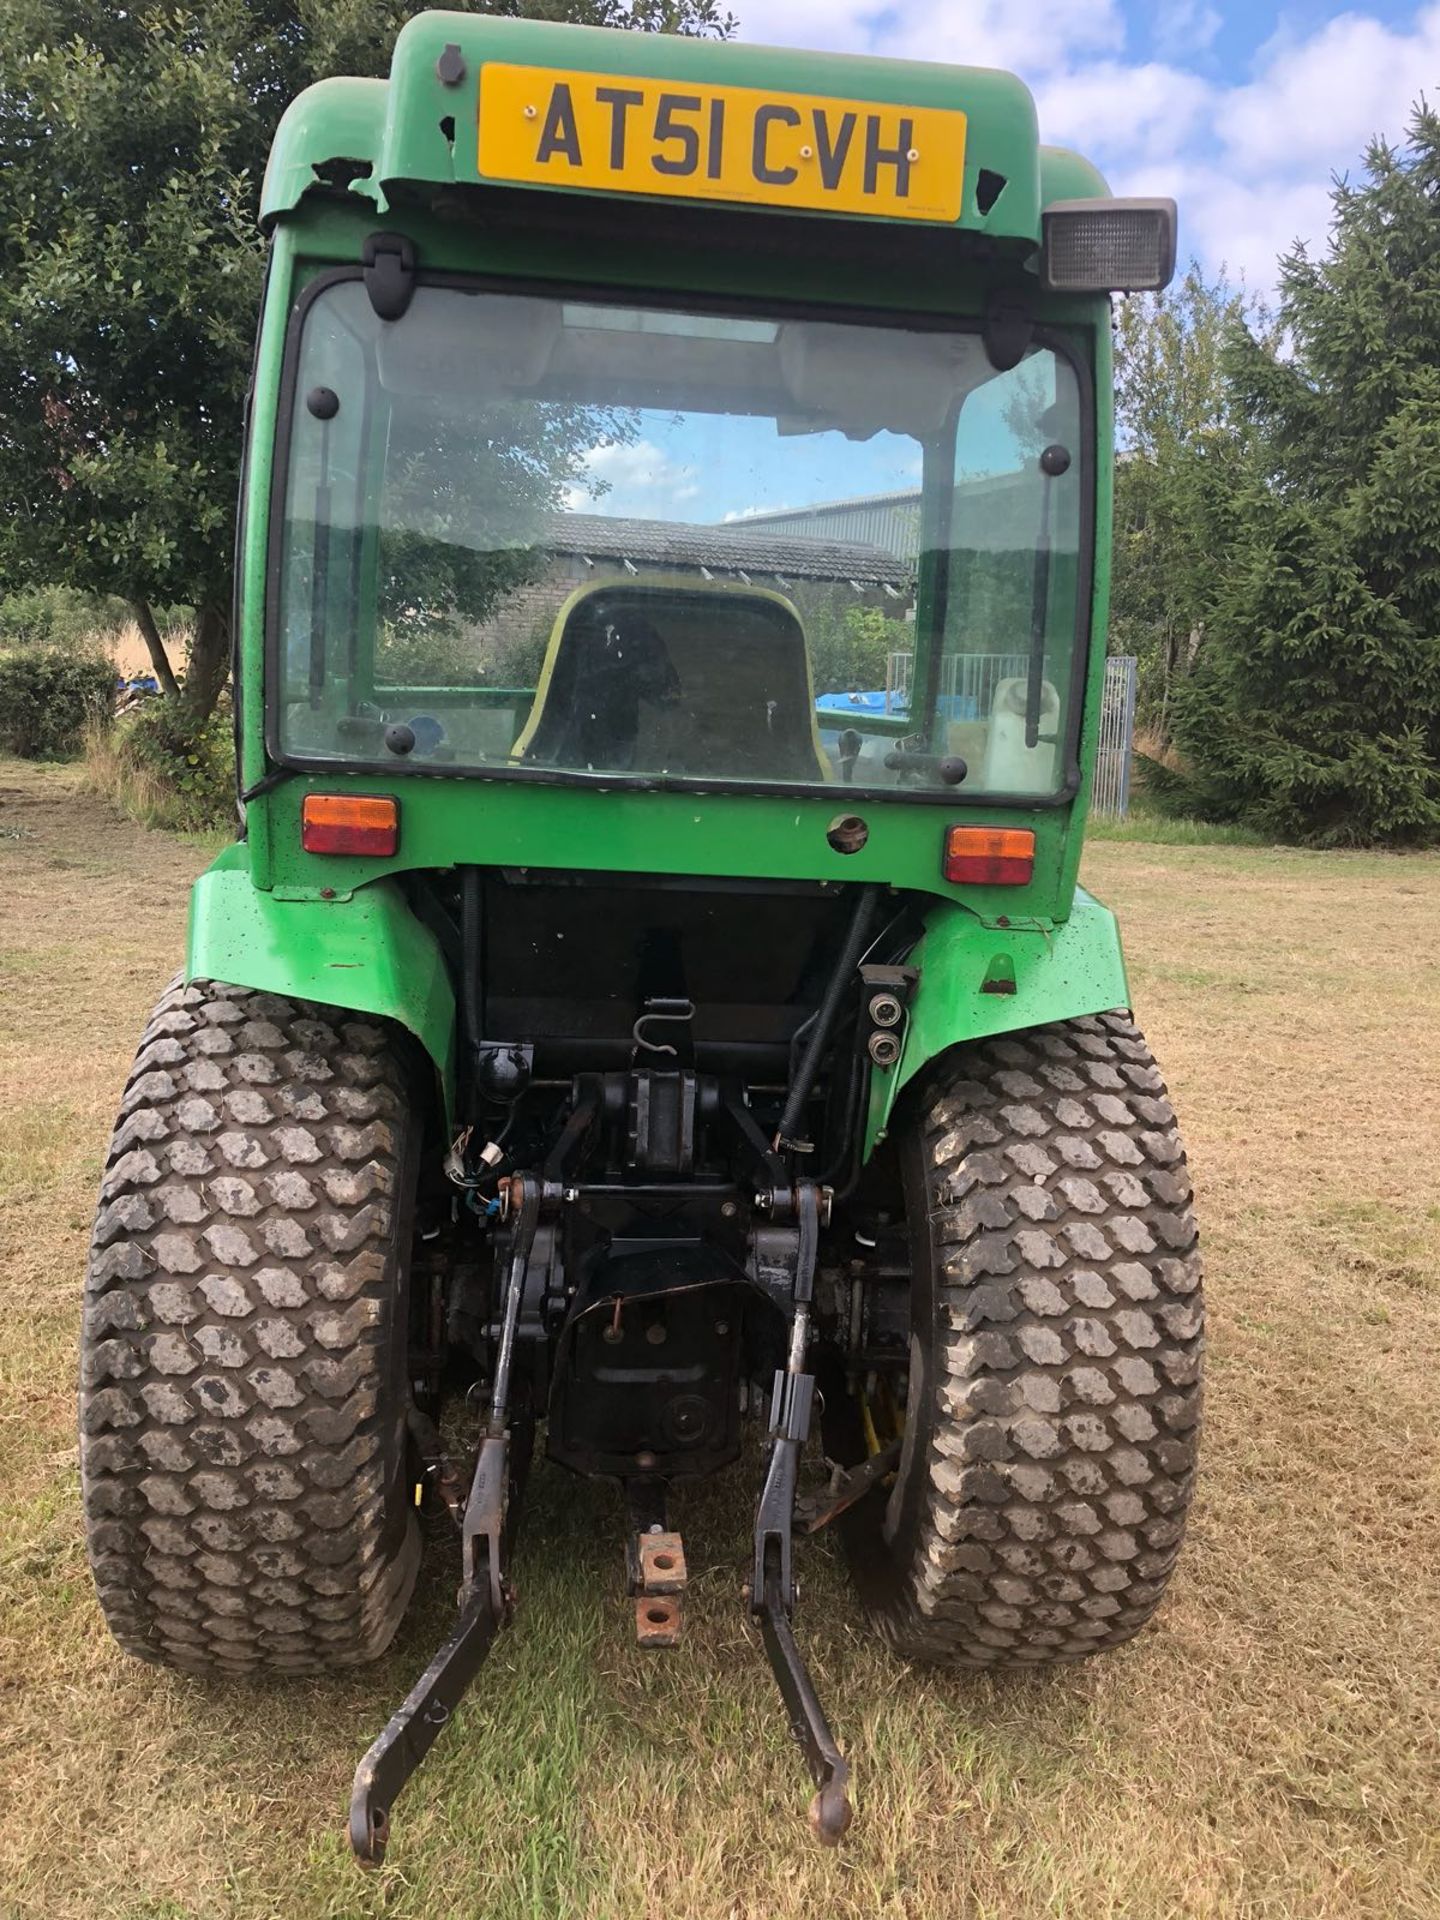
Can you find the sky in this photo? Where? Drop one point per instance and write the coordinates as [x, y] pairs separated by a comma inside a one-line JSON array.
[[711, 469], [707, 470], [1242, 111]]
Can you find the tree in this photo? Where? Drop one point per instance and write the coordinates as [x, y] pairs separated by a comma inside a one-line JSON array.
[[1314, 709], [850, 643], [1179, 455], [132, 147]]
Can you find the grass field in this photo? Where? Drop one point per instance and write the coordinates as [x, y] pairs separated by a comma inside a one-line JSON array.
[[1269, 1746]]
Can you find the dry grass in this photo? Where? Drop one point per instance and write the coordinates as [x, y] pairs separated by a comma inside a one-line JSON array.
[[1268, 1747], [112, 775], [1152, 744], [126, 647]]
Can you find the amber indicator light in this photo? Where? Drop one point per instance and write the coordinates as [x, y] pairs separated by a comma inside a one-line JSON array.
[[989, 856], [349, 823]]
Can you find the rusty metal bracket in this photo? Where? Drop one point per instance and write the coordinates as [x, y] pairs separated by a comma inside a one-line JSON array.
[[658, 1620], [661, 1559], [657, 1578]]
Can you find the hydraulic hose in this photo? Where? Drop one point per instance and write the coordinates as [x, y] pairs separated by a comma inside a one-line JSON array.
[[471, 963], [802, 1084]]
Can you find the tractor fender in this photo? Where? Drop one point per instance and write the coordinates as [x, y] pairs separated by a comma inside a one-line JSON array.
[[366, 952], [978, 980]]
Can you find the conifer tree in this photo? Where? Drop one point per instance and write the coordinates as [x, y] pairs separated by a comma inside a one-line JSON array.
[[1314, 709], [1178, 451]]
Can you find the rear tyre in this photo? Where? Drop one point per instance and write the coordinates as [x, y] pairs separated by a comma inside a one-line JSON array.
[[1053, 1398], [243, 1379]]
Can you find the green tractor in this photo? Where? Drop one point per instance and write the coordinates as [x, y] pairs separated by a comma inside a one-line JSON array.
[[650, 996]]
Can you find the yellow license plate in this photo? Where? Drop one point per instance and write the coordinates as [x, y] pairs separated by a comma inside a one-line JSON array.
[[619, 134]]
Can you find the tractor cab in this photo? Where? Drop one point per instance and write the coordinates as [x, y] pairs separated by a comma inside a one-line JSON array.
[[649, 997], [664, 506]]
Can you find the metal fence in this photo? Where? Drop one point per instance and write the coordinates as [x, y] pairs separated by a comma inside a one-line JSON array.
[[967, 692], [1117, 738], [967, 682]]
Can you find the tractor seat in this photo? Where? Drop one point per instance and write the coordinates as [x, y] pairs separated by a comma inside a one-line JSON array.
[[671, 678]]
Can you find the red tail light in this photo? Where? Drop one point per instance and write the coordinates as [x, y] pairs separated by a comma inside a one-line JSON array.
[[989, 856], [349, 823]]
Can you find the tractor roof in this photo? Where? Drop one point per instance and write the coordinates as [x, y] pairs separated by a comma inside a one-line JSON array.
[[424, 131]]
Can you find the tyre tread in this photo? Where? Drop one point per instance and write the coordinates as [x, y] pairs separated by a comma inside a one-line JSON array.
[[241, 1453], [1062, 1439]]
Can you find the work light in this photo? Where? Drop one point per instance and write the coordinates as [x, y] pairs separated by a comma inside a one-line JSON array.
[[1107, 246]]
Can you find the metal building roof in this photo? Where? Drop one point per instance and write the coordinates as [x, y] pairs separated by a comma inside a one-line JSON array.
[[732, 549]]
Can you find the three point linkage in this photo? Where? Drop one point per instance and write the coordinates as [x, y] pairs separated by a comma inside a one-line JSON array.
[[787, 1278]]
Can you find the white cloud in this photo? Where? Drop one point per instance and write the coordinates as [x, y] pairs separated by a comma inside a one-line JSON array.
[[749, 513], [1025, 36], [634, 477], [1247, 227], [1314, 103], [1182, 27], [1250, 158], [1111, 111], [1306, 114]]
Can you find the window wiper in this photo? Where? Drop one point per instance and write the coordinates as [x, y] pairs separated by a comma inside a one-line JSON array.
[[324, 404], [1054, 461]]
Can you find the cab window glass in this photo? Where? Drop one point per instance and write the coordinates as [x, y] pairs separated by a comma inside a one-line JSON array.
[[546, 535]]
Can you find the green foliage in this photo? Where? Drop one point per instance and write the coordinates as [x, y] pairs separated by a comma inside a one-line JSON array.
[[129, 272], [515, 660], [449, 654], [132, 146], [850, 643], [1172, 830], [1181, 454], [505, 464], [58, 617], [191, 766], [47, 696], [427, 655], [1314, 709]]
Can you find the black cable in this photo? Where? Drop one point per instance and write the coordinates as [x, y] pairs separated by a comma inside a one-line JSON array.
[[471, 961], [795, 1040], [801, 1085], [850, 1131]]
